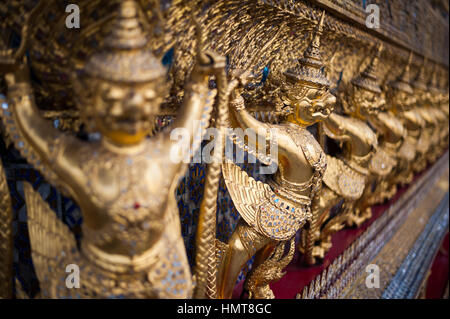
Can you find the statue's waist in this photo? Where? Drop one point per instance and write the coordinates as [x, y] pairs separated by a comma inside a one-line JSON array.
[[392, 147], [358, 163], [300, 188]]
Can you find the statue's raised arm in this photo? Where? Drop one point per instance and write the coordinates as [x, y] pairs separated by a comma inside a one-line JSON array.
[[36, 138], [195, 112]]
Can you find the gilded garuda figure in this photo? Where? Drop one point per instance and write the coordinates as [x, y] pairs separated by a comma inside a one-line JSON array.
[[403, 103], [346, 175], [443, 106], [444, 96], [272, 213], [442, 124], [400, 100], [434, 118], [124, 182], [431, 123], [392, 136]]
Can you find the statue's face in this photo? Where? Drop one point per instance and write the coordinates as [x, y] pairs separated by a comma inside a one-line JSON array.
[[402, 100], [313, 105], [444, 105], [367, 102], [421, 96], [432, 98], [124, 113], [444, 101], [443, 98]]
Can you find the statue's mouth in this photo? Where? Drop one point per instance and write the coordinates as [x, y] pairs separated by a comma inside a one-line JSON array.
[[128, 125], [322, 109]]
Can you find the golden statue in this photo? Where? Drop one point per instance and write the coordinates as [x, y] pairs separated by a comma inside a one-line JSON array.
[[124, 182], [444, 98], [434, 118], [273, 212], [346, 175], [403, 103], [443, 106], [393, 137], [391, 150]]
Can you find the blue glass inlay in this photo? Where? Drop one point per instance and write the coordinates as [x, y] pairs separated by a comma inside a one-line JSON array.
[[265, 74], [167, 59]]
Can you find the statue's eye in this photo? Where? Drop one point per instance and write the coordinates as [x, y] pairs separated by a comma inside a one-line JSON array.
[[149, 94], [320, 94], [114, 94]]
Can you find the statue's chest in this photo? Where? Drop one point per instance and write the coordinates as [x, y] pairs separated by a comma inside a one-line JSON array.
[[125, 183], [308, 145]]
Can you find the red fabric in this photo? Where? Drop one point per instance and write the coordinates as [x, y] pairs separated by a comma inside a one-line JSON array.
[[438, 280], [298, 275]]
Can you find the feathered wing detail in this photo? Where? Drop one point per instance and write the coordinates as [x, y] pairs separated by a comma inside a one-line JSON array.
[[407, 151], [343, 180], [381, 163], [261, 207], [247, 193], [50, 239], [6, 239]]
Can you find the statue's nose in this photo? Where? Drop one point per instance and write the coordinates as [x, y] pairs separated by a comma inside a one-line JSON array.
[[134, 104], [135, 100], [331, 99]]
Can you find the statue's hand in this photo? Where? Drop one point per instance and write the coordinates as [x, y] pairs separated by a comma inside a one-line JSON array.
[[8, 60], [19, 73], [209, 63], [243, 77]]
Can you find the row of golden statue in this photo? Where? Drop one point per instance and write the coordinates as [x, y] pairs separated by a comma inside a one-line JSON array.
[[124, 183]]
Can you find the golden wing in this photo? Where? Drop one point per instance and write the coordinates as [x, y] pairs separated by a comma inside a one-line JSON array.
[[51, 240], [381, 163], [407, 151], [247, 193], [343, 180], [6, 239]]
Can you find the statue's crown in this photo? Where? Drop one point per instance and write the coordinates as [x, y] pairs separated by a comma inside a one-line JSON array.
[[433, 84], [403, 81], [420, 82], [125, 57], [368, 79], [310, 68]]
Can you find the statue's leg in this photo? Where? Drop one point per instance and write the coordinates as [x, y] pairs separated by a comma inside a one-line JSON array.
[[360, 210], [311, 244], [261, 255], [243, 244]]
